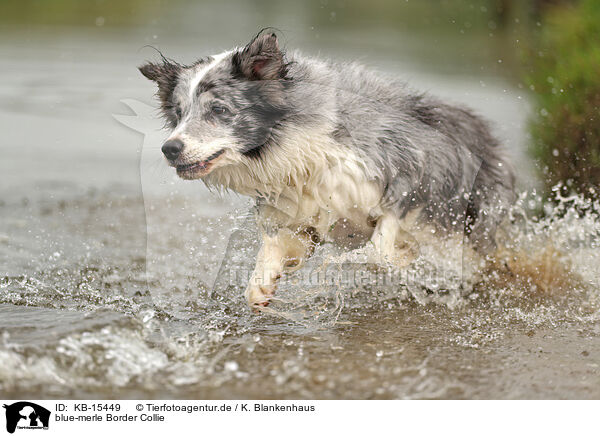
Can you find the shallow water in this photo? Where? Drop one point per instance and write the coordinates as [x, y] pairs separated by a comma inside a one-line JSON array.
[[92, 319], [115, 278]]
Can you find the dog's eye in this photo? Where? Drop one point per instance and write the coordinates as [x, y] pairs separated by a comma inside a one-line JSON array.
[[219, 110], [178, 112]]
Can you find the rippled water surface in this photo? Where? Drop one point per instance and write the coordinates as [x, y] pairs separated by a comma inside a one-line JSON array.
[[115, 278], [91, 319]]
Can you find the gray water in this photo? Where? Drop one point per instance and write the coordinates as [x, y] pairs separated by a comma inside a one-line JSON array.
[[114, 274]]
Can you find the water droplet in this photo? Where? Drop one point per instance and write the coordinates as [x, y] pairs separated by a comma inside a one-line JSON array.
[[231, 366]]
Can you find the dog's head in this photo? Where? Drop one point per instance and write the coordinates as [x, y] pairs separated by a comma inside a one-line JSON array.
[[222, 110]]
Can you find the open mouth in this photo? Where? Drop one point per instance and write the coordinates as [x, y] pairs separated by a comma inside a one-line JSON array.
[[198, 167]]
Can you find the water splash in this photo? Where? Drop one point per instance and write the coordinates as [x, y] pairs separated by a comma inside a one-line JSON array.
[[103, 316]]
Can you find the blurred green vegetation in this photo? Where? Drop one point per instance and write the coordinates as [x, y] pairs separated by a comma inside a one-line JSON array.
[[83, 13], [564, 74], [432, 15], [464, 36]]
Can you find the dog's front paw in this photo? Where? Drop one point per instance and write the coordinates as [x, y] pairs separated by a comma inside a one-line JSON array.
[[259, 295]]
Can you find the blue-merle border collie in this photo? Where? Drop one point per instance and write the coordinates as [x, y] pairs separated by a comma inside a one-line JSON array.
[[330, 151]]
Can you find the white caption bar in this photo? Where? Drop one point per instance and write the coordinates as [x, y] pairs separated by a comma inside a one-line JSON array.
[[283, 418]]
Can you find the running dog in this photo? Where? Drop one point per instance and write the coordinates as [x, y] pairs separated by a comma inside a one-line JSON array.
[[329, 151]]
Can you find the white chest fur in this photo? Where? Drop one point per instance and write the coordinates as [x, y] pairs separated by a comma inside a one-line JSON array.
[[307, 180]]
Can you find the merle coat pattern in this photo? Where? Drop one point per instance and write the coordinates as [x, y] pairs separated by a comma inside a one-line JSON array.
[[318, 144]]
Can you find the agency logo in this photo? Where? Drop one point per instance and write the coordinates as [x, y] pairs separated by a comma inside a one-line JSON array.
[[26, 415]]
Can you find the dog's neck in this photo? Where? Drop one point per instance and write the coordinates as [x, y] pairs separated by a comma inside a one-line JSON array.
[[284, 166]]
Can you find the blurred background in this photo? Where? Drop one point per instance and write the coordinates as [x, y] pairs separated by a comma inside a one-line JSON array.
[[66, 64], [81, 243]]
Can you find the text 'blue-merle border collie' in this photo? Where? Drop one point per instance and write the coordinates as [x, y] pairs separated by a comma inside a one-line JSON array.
[[330, 152]]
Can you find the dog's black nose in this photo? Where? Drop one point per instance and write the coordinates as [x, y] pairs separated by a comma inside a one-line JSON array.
[[172, 148]]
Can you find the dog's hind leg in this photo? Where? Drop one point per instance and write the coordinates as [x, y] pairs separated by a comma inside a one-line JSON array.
[[284, 251]]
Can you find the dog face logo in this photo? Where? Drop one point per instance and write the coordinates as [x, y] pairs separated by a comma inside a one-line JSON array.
[[26, 415]]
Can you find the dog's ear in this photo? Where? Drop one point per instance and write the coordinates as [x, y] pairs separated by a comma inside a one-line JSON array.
[[151, 71], [261, 59], [165, 72], [166, 76]]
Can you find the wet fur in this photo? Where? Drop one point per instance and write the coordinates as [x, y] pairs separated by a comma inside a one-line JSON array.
[[318, 143]]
